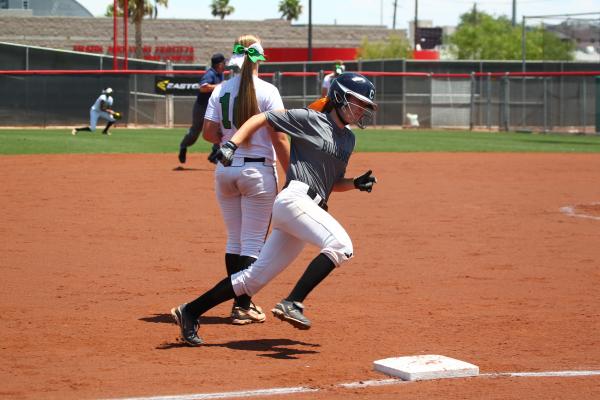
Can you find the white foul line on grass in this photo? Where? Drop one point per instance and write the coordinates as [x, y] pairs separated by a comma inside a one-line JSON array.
[[353, 385]]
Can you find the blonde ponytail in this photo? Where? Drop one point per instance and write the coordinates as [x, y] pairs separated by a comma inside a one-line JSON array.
[[246, 104]]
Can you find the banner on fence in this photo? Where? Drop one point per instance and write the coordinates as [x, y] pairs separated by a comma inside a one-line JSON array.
[[177, 85]]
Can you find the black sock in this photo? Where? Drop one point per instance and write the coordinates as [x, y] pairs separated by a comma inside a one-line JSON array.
[[222, 292], [86, 128], [244, 300], [232, 263], [316, 271], [110, 123]]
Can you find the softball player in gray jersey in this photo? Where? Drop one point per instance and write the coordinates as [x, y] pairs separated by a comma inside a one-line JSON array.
[[321, 145]]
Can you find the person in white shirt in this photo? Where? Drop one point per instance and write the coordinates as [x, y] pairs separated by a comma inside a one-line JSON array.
[[247, 188], [102, 108], [338, 69]]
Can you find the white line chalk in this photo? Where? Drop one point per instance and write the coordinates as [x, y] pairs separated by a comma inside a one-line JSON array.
[[570, 211], [355, 385], [547, 374], [228, 395]]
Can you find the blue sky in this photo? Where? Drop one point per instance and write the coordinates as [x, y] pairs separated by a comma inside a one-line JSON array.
[[367, 12]]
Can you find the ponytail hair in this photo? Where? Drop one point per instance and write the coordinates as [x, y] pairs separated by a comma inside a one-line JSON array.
[[246, 104]]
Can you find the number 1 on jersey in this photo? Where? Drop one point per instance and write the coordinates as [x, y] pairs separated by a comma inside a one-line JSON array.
[[224, 100]]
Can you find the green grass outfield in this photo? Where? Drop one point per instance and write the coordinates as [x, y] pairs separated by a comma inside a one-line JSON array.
[[60, 141]]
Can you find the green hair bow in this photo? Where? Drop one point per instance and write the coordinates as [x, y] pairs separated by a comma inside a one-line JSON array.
[[254, 52]]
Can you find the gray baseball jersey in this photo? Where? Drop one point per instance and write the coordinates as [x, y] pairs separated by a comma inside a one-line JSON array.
[[310, 130]]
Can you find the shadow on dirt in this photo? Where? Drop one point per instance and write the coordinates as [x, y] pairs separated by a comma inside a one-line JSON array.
[[168, 319], [272, 348]]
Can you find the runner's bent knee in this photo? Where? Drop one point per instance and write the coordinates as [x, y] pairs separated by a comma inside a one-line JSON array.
[[339, 251]]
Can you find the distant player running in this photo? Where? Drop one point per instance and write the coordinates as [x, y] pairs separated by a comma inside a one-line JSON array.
[[102, 108], [209, 81]]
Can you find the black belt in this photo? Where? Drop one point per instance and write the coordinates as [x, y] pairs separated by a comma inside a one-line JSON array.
[[249, 159], [312, 193]]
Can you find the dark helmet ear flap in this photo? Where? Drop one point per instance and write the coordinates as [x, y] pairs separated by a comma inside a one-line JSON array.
[[339, 97]]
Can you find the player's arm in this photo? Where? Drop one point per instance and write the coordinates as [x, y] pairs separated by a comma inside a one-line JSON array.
[[104, 107], [208, 87], [325, 86], [253, 124], [282, 147], [249, 127], [363, 182], [207, 83], [343, 185], [211, 132]]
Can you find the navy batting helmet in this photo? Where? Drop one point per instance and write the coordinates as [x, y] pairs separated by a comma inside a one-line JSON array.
[[357, 86]]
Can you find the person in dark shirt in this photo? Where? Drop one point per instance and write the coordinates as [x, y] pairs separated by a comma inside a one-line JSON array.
[[208, 82]]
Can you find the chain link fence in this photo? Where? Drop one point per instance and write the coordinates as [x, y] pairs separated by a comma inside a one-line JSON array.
[[440, 94]]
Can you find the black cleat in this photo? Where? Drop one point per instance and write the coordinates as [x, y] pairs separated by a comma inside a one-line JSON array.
[[187, 325], [182, 155], [292, 312]]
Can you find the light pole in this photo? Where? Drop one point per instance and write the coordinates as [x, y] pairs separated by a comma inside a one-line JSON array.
[[514, 13], [416, 22], [309, 30]]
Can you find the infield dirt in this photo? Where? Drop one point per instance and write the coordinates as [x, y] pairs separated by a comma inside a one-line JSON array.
[[465, 255]]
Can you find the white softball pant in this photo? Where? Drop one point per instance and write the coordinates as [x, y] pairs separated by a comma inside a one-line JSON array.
[[95, 115], [245, 192], [297, 220]]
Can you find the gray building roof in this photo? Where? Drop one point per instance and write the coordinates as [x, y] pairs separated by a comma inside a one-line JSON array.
[[205, 36], [44, 8]]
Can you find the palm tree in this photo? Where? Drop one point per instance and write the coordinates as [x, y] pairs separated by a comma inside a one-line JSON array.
[[221, 8], [290, 9], [137, 10]]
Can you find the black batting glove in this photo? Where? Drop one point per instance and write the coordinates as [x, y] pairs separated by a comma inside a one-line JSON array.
[[212, 157], [226, 152], [365, 182]]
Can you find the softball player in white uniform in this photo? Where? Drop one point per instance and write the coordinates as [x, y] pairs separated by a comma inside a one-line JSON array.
[[102, 108], [338, 69], [247, 188], [321, 145]]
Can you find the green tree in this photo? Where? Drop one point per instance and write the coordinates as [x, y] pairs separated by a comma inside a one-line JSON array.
[[290, 9], [395, 46], [137, 10], [221, 8], [479, 36]]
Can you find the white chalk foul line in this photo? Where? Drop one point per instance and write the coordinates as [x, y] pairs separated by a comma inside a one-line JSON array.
[[570, 211], [547, 374], [382, 382], [353, 385], [228, 395], [376, 382]]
